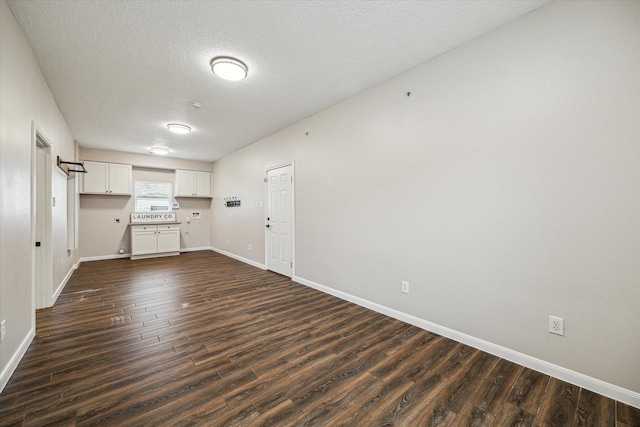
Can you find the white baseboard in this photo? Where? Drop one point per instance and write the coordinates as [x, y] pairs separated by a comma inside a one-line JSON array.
[[58, 291], [201, 248], [155, 255], [239, 258], [103, 257], [601, 387], [15, 359], [117, 256]]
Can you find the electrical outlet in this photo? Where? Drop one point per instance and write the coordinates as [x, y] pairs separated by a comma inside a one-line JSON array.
[[3, 330], [249, 246], [404, 288], [556, 325]]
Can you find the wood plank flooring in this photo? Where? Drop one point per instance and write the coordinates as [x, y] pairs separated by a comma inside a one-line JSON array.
[[202, 339]]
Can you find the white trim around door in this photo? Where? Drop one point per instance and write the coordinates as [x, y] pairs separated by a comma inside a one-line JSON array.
[[41, 220]]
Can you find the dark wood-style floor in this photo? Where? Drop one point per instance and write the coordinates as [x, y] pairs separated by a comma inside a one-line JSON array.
[[202, 339]]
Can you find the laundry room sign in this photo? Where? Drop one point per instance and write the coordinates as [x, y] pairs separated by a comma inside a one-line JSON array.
[[146, 217]]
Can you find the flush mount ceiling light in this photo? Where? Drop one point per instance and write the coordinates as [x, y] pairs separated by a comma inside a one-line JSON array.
[[229, 68], [178, 128], [159, 150]]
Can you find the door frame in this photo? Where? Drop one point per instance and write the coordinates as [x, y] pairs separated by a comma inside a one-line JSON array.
[[293, 214], [42, 292]]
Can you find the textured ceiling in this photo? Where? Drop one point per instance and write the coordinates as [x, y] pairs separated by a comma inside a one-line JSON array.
[[121, 70]]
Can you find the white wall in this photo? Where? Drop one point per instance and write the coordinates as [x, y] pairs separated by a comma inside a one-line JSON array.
[[506, 188], [25, 98], [101, 237]]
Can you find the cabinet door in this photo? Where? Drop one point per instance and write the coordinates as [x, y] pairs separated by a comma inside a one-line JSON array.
[[144, 242], [203, 184], [95, 180], [120, 177], [168, 241], [185, 183]]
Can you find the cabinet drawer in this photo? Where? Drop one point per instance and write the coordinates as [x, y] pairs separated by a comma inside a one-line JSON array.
[[135, 228], [165, 227]]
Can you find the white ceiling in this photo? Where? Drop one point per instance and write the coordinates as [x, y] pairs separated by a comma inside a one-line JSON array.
[[121, 70]]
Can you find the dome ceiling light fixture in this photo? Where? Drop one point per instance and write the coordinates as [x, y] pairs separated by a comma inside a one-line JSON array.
[[159, 150], [179, 128], [229, 68]]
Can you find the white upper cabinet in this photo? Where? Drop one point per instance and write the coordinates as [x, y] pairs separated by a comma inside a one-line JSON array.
[[120, 179], [96, 180], [193, 184], [107, 178]]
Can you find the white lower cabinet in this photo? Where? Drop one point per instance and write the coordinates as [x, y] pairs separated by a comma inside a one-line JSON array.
[[150, 240], [168, 238], [144, 239]]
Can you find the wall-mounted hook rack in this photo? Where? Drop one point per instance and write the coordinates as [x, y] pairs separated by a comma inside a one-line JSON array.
[[66, 169], [232, 202]]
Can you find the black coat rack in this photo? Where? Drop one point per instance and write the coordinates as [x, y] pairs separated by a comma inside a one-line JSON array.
[[66, 169]]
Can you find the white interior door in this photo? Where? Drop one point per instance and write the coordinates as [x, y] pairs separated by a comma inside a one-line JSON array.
[[279, 224]]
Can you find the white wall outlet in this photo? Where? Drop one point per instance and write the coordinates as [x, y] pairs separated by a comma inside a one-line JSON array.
[[3, 330], [404, 287], [556, 325], [249, 246]]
